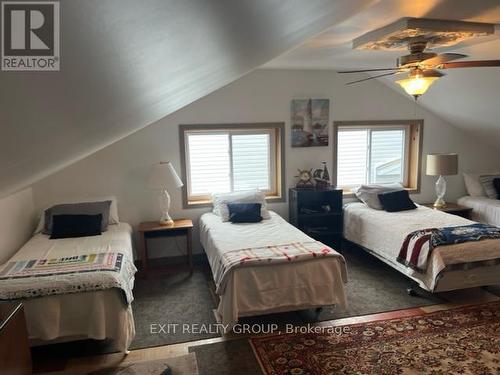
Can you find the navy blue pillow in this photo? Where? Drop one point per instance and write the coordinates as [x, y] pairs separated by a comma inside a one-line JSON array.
[[244, 212], [496, 184], [70, 226], [395, 201]]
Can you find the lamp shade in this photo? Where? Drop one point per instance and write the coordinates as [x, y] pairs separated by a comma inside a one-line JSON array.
[[162, 175], [442, 164]]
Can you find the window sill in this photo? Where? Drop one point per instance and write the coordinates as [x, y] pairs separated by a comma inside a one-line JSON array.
[[349, 194], [208, 202]]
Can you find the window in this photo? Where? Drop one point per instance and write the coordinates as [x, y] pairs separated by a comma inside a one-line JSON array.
[[378, 152], [231, 158]]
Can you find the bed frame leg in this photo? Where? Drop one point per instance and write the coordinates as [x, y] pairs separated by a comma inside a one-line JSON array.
[[411, 292]]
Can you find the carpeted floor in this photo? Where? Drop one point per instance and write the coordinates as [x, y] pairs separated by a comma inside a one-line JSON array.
[[176, 300], [373, 287]]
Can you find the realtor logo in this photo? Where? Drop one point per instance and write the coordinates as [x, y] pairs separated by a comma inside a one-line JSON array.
[[30, 35]]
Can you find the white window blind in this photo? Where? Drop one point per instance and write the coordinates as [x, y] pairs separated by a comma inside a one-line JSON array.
[[224, 161], [371, 156], [251, 162], [209, 163]]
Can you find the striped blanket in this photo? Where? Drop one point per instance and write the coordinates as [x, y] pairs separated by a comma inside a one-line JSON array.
[[418, 245], [80, 273], [270, 255]]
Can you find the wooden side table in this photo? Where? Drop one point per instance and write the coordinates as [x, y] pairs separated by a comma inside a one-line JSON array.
[[15, 355], [452, 208], [183, 227]]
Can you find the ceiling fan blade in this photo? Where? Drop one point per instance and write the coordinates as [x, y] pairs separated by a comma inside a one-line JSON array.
[[373, 77], [441, 59], [368, 70], [470, 64]]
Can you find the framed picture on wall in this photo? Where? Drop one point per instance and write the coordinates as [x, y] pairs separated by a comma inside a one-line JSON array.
[[310, 118]]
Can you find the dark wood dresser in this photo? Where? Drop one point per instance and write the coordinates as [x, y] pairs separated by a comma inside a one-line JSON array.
[[15, 355], [318, 213]]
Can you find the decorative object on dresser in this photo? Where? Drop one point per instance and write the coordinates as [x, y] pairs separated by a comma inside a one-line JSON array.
[[15, 355], [305, 179], [322, 177], [152, 229], [162, 175], [452, 208], [318, 213], [310, 119], [441, 165]]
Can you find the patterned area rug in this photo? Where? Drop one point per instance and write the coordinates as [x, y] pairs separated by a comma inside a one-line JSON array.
[[465, 340]]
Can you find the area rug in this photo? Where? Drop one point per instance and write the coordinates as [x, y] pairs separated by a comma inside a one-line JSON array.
[[464, 340], [181, 365]]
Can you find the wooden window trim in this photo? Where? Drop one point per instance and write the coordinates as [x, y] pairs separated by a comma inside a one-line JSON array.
[[279, 195], [414, 153]]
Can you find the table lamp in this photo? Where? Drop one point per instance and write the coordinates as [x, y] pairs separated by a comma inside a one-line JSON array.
[[441, 165], [162, 175]]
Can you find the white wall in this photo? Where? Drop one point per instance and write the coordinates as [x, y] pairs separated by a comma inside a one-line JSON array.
[[262, 96], [17, 212]]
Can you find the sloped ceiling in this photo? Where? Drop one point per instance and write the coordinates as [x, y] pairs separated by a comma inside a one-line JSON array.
[[128, 63], [467, 98]]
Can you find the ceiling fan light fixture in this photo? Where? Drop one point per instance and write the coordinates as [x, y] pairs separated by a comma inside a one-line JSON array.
[[417, 83]]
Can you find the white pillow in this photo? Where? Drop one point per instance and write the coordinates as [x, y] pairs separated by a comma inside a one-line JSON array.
[[368, 194], [473, 185], [221, 200], [113, 209]]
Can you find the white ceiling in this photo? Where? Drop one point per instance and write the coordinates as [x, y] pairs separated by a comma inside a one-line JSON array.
[[127, 63], [467, 98]]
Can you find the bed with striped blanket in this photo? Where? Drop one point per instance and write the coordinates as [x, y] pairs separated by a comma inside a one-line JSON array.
[[452, 260]]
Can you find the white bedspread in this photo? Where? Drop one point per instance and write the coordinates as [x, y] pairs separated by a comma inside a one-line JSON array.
[[257, 290], [98, 314], [484, 209], [383, 233]]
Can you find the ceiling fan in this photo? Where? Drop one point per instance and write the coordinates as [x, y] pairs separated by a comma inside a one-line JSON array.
[[423, 66]]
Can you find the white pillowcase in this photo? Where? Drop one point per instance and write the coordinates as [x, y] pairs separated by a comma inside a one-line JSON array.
[[473, 185], [221, 200], [368, 194], [113, 210]]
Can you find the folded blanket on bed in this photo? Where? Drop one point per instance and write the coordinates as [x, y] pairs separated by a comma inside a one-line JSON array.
[[75, 274], [418, 245], [270, 255]]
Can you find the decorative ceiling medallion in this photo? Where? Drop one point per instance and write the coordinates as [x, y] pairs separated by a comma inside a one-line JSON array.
[[437, 33]]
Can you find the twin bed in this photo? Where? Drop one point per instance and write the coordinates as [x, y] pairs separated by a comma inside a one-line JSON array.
[[484, 209], [78, 303], [457, 266], [277, 268]]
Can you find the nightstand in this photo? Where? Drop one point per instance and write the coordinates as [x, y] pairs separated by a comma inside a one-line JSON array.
[[452, 208], [151, 229], [15, 355], [318, 213]]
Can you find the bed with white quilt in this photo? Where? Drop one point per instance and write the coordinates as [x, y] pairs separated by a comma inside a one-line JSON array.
[[74, 288], [484, 209], [446, 267], [483, 197], [269, 267]]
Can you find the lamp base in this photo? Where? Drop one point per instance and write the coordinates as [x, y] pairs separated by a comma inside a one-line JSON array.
[[439, 203], [440, 192], [166, 223], [165, 218]]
